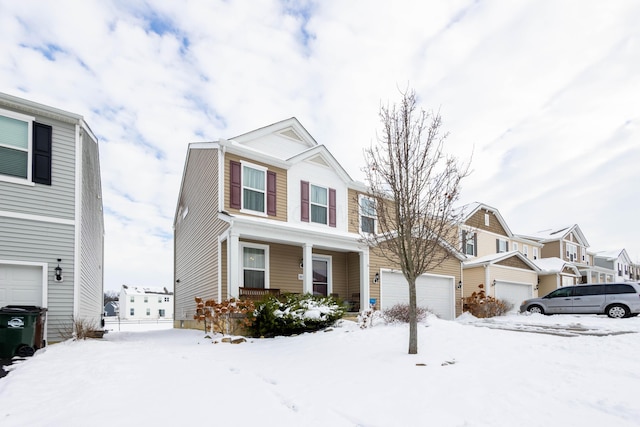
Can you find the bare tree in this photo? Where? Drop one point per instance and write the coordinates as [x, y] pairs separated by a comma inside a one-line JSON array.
[[414, 186]]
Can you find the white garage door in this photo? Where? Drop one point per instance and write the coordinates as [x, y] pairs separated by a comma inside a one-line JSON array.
[[20, 285], [433, 292], [515, 293]]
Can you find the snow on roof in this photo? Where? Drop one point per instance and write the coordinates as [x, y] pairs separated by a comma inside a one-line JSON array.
[[138, 290], [611, 255], [492, 258], [554, 265]]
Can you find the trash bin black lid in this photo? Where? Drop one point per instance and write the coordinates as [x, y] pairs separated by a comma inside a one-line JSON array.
[[22, 309]]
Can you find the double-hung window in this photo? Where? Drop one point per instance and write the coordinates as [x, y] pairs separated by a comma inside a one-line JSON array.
[[367, 214], [469, 243], [319, 204], [15, 145], [502, 245], [253, 188], [254, 265]]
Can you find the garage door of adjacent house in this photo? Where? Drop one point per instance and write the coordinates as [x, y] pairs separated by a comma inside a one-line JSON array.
[[433, 292], [515, 293], [20, 285]]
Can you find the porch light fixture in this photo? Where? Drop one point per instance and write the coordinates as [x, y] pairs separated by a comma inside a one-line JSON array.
[[460, 284], [301, 263], [494, 282], [58, 272], [376, 278]]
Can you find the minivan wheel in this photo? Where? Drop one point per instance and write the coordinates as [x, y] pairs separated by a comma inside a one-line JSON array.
[[617, 311], [535, 309]]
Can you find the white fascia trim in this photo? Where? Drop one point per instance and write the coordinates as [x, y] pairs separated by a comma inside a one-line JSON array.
[[41, 218], [79, 219]]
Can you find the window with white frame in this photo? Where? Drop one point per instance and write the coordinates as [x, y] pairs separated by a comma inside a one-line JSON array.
[[148, 312], [515, 246], [486, 219], [367, 214], [132, 311], [470, 240], [525, 250], [502, 245], [166, 299], [535, 253], [161, 312], [572, 252], [132, 299], [146, 300], [254, 184], [254, 265], [15, 144], [319, 204]]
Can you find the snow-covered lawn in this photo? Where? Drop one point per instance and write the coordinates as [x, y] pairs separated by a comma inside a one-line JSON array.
[[465, 375]]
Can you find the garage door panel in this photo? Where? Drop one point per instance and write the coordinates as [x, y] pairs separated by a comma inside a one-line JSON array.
[[20, 285], [433, 292], [514, 293]]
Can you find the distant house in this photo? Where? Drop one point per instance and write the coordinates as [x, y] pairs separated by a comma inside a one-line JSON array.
[[51, 219], [618, 261], [111, 309], [556, 273], [138, 303], [496, 258]]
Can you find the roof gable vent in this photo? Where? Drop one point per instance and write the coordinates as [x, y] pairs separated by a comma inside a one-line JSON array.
[[319, 160], [292, 134]]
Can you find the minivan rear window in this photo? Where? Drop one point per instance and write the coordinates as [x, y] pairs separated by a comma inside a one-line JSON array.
[[620, 289]]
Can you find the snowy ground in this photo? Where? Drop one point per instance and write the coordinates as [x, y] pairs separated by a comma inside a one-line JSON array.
[[468, 373]]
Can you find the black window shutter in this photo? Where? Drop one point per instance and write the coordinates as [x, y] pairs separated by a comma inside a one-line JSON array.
[[464, 242], [475, 244], [271, 193], [236, 187], [42, 145], [332, 207], [497, 246]]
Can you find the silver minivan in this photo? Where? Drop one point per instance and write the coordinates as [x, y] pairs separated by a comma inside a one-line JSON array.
[[616, 300]]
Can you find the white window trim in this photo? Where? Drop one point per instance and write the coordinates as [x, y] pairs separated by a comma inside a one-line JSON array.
[[329, 260], [486, 219], [515, 246], [360, 214], [311, 221], [505, 243], [242, 187], [243, 245], [525, 251], [535, 253], [29, 120], [470, 240]]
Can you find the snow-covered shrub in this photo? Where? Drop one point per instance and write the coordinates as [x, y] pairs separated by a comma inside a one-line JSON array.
[[399, 313], [369, 318], [291, 314], [482, 306]]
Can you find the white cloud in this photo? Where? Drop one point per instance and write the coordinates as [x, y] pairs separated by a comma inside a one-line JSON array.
[[543, 92]]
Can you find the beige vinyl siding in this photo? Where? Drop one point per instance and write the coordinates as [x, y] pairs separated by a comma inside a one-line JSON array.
[[353, 275], [552, 249], [90, 284], [353, 211], [281, 186], [547, 284], [477, 222], [508, 274], [451, 267], [513, 262], [473, 278], [196, 235]]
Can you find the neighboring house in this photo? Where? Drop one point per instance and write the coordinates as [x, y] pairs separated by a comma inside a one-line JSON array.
[[496, 258], [569, 244], [51, 220], [635, 272], [273, 211], [111, 309], [138, 303], [618, 261], [556, 273]]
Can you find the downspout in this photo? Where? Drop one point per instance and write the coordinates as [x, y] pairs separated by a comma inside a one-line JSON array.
[[77, 225]]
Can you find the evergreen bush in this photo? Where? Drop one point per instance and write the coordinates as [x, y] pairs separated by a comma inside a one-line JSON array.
[[291, 314]]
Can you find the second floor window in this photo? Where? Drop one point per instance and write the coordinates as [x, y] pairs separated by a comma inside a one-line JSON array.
[[502, 245], [469, 243], [572, 252], [253, 189], [319, 204], [525, 250], [535, 253], [367, 215]]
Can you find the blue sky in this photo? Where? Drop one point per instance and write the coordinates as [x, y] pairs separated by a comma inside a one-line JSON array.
[[544, 93]]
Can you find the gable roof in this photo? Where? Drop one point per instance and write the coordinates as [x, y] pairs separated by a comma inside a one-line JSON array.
[[321, 155], [495, 258], [613, 255], [470, 209], [290, 128], [554, 265], [558, 233]]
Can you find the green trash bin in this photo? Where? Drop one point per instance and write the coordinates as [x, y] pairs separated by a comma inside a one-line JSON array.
[[21, 330]]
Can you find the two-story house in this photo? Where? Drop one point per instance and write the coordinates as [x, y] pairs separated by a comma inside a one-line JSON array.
[[617, 261], [273, 210], [569, 244], [496, 258], [51, 220], [142, 303]]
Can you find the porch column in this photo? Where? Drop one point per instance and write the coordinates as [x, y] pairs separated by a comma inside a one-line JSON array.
[[365, 292], [307, 269], [233, 266]]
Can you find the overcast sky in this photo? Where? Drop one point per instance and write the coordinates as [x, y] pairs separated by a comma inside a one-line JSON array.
[[545, 93]]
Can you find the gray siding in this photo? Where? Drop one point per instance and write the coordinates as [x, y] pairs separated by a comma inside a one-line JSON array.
[[91, 235], [35, 241], [58, 199], [196, 235]]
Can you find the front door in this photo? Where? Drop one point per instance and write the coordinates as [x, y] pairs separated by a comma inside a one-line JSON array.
[[320, 277]]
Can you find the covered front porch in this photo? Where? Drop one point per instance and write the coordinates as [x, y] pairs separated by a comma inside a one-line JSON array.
[[282, 258]]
